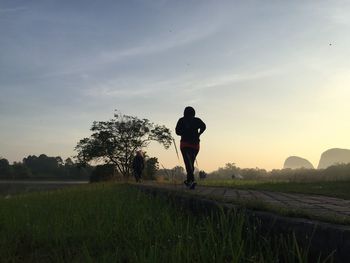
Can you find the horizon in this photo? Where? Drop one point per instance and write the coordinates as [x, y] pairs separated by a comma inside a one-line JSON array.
[[316, 167], [269, 79]]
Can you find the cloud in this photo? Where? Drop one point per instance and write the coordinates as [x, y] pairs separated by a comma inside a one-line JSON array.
[[162, 44], [153, 45], [129, 88], [11, 10], [228, 78]]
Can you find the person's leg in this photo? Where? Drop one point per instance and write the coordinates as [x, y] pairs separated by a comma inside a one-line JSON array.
[[192, 155], [189, 156], [187, 160]]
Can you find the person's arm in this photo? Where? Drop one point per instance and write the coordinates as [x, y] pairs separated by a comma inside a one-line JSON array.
[[202, 127], [179, 127]]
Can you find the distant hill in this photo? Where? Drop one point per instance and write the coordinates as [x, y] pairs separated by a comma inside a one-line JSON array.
[[334, 156], [295, 162]]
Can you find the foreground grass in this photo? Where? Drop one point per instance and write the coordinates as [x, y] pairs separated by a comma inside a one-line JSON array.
[[338, 189], [117, 223]]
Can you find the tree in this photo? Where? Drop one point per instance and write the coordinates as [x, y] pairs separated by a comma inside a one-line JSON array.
[[5, 168], [178, 173], [151, 168], [102, 173], [116, 141], [229, 171], [202, 175], [68, 162], [59, 161], [44, 165], [178, 170], [20, 170]]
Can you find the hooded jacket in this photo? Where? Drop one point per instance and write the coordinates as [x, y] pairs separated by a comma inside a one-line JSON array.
[[190, 127]]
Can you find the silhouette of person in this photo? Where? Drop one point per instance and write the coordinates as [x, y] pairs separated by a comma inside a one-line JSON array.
[[189, 128], [138, 164]]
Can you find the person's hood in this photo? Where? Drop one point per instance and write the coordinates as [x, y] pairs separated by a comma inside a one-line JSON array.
[[189, 112]]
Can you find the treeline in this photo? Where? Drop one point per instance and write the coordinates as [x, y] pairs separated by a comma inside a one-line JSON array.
[[107, 172], [46, 167], [177, 173], [231, 171], [43, 167]]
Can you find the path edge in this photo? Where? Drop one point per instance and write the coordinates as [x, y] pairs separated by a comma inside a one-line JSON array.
[[323, 237]]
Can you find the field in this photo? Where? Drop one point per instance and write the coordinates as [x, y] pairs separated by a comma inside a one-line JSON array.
[[9, 188], [338, 189], [117, 223]]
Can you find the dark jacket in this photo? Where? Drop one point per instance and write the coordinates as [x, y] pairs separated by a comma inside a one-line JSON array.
[[190, 128]]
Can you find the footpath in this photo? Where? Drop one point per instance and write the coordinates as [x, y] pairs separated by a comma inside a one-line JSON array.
[[307, 219], [315, 205]]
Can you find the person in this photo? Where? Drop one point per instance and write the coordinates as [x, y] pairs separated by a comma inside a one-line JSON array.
[[190, 129], [138, 164]]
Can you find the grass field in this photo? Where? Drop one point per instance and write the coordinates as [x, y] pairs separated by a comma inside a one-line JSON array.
[[9, 189], [117, 223], [338, 189]]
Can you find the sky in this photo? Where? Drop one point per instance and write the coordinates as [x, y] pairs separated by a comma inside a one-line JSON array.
[[270, 78]]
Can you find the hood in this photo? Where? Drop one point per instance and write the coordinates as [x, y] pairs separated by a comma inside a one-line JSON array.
[[189, 112]]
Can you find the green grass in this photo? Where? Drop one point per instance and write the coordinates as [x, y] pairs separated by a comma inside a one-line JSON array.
[[338, 189], [117, 223]]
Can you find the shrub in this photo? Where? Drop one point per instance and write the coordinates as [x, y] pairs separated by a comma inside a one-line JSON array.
[[103, 172]]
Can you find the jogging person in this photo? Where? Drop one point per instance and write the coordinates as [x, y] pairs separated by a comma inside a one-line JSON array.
[[189, 128], [138, 164]]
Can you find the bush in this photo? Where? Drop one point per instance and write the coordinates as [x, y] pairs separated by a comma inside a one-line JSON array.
[[21, 171], [103, 172], [151, 168]]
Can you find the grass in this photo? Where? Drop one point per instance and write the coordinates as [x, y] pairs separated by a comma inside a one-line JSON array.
[[117, 223], [9, 189], [339, 189]]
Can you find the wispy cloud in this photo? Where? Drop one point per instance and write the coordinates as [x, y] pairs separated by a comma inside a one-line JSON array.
[[155, 45], [229, 78], [160, 44], [12, 10], [116, 88]]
